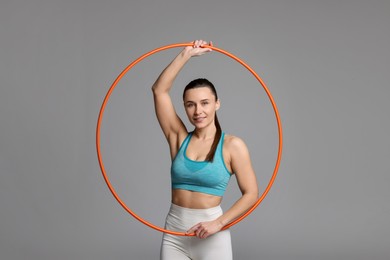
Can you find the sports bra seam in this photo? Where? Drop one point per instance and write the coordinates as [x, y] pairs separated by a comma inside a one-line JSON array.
[[222, 159], [181, 146]]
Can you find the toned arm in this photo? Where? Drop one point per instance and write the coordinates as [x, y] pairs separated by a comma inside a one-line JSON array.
[[171, 125]]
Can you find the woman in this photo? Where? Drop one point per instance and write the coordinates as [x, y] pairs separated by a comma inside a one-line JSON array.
[[202, 163]]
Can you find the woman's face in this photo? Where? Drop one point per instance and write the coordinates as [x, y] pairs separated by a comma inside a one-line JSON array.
[[200, 106]]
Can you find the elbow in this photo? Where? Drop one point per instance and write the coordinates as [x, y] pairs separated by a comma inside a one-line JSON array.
[[153, 88], [251, 194], [254, 196], [156, 89]]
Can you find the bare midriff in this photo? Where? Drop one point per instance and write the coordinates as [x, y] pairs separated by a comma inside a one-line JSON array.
[[194, 200]]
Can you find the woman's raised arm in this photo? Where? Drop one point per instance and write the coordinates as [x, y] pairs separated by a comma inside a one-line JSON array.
[[170, 123]]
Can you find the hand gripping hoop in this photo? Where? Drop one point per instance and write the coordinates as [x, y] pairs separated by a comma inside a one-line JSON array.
[[101, 116]]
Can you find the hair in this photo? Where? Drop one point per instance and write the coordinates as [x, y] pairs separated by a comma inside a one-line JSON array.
[[200, 83]]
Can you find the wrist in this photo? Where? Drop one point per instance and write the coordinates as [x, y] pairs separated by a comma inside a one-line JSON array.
[[222, 222], [185, 54]]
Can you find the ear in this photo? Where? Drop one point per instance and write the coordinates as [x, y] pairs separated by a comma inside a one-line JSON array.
[[217, 104]]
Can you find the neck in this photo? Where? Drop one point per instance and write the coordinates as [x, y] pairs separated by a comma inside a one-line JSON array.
[[205, 133]]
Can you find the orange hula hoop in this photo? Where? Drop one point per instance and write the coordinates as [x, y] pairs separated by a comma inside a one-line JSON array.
[[279, 156]]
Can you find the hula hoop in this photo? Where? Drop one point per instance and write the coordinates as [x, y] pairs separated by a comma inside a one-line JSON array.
[[101, 116]]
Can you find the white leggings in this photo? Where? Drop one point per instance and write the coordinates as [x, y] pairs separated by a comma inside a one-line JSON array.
[[217, 246]]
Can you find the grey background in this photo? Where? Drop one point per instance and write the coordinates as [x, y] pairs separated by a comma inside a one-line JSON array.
[[325, 62]]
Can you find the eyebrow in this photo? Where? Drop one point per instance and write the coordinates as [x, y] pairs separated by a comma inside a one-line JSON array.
[[189, 101]]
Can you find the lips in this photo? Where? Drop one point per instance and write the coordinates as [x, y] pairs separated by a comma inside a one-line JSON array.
[[199, 119]]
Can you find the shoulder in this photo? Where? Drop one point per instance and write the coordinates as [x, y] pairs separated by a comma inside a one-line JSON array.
[[231, 141], [237, 154], [234, 145]]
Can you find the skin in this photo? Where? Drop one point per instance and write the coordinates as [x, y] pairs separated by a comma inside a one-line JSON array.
[[201, 105]]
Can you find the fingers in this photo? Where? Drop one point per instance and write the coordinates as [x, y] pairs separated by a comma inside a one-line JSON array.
[[193, 229], [198, 48], [199, 43], [200, 230], [202, 44], [202, 233]]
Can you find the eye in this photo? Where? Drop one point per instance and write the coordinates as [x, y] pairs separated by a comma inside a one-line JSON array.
[[204, 103], [189, 105]]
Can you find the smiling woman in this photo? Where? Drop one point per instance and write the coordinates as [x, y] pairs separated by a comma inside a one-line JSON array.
[[202, 162]]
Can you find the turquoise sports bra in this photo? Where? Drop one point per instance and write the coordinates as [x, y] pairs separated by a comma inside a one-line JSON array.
[[200, 176]]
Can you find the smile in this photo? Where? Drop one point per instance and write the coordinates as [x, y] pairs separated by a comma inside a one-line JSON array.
[[199, 119]]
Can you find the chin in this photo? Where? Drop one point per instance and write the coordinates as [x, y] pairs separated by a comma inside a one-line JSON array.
[[201, 125]]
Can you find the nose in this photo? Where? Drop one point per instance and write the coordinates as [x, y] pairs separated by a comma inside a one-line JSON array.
[[198, 110]]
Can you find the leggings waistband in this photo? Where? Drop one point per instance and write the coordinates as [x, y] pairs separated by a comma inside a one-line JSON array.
[[180, 218], [176, 209]]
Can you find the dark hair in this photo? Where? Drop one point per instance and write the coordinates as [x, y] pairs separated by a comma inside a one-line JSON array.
[[199, 83]]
